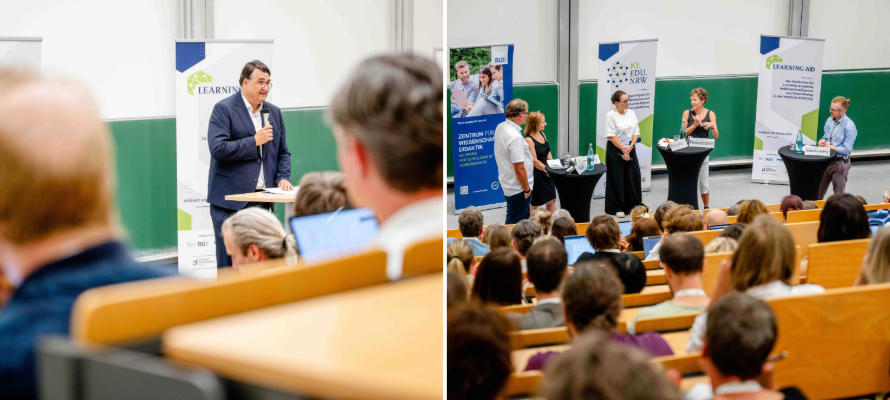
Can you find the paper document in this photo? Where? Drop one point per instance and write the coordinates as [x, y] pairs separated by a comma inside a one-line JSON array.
[[460, 98], [281, 191], [554, 163]]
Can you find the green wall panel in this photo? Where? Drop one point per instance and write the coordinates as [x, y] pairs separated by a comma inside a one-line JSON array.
[[146, 169], [869, 106], [540, 97]]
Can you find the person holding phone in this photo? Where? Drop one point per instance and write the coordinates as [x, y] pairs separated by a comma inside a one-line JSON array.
[[623, 181], [699, 122]]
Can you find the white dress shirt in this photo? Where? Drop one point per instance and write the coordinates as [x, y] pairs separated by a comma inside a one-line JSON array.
[[623, 126], [413, 223], [510, 148], [257, 124]]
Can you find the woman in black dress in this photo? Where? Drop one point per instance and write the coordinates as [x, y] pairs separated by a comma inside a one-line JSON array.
[[623, 182], [544, 192], [699, 122]]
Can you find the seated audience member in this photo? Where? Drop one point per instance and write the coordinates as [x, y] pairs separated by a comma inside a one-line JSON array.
[[591, 298], [471, 227], [499, 235], [561, 213], [254, 235], [498, 279], [604, 236], [734, 209], [597, 368], [478, 353], [810, 205], [790, 203], [640, 211], [542, 217], [643, 227], [882, 216], [751, 209], [320, 193], [563, 227], [721, 244], [53, 247], [715, 217], [741, 334], [862, 200], [630, 271], [388, 127], [661, 211], [547, 266], [457, 290], [523, 235], [876, 264], [678, 219], [682, 257], [460, 260], [843, 218], [5, 290], [733, 231], [762, 267]]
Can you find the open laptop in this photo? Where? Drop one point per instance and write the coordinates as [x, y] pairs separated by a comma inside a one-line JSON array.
[[625, 227], [649, 243], [326, 236], [576, 246]]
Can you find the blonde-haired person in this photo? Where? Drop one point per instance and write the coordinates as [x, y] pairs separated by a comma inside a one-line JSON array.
[[623, 181], [640, 211], [544, 192], [543, 218], [254, 235], [721, 245], [699, 121], [876, 264], [461, 260], [840, 134], [320, 193], [750, 209], [762, 266], [499, 235]]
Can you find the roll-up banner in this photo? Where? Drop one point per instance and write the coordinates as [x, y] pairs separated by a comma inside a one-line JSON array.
[[207, 71], [629, 67], [21, 52], [789, 82], [476, 110]]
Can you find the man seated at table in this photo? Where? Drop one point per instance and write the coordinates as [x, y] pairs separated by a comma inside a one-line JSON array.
[[547, 266], [682, 257], [715, 217], [472, 229], [388, 127], [53, 247]]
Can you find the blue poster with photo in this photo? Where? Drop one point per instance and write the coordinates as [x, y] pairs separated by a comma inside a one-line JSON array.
[[481, 85]]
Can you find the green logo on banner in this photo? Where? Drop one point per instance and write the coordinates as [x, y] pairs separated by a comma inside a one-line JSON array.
[[197, 78], [772, 59]]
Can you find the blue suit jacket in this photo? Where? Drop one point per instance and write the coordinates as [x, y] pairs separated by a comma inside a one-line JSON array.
[[235, 157]]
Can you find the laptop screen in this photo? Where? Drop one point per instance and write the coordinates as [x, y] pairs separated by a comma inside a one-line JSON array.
[[326, 236], [577, 245], [625, 226], [649, 243]]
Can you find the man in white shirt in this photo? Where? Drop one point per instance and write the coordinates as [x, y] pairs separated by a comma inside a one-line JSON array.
[[389, 147], [514, 162]]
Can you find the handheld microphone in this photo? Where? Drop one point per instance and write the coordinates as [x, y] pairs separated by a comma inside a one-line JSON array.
[[265, 113]]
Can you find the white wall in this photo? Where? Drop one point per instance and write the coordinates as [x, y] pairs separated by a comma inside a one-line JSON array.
[[317, 43], [122, 50], [531, 25], [695, 37], [856, 32], [428, 26]]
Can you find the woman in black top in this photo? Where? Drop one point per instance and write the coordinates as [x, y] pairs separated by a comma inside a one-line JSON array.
[[544, 192], [699, 121]]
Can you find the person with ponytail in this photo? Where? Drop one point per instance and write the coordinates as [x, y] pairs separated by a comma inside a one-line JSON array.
[[461, 261], [254, 235], [623, 181], [840, 133]]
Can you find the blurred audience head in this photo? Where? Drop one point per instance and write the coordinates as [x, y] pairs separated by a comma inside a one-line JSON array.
[[630, 271], [733, 231], [642, 228], [460, 258], [499, 235], [751, 209], [543, 218], [741, 333], [320, 193], [790, 203], [547, 264], [253, 235], [682, 219], [498, 279], [876, 265], [591, 298], [603, 233], [523, 234], [721, 244], [734, 209], [470, 222], [716, 217], [457, 290], [640, 211], [843, 218], [478, 353], [661, 211], [682, 254], [810, 205], [561, 213], [563, 227], [765, 254]]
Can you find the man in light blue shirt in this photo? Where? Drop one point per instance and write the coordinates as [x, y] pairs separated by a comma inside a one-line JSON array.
[[840, 133], [471, 228], [465, 83]]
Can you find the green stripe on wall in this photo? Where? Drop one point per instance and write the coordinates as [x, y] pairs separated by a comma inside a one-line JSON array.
[[146, 169]]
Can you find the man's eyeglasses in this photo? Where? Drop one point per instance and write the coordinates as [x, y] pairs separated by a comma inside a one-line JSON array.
[[833, 110], [625, 102], [529, 112], [264, 84]]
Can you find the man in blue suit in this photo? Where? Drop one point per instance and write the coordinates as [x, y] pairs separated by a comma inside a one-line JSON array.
[[248, 150]]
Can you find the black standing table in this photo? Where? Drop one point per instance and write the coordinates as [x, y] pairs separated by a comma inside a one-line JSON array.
[[805, 172], [575, 191], [683, 167]]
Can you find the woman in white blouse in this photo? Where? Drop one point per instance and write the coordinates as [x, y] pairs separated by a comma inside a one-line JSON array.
[[623, 181]]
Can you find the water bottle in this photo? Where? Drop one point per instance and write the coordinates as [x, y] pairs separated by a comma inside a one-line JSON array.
[[590, 157], [799, 148], [682, 128]]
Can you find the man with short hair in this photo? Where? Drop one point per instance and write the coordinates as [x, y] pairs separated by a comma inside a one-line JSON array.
[[515, 162], [715, 217], [53, 248], [388, 127], [547, 266], [471, 228], [734, 209], [524, 234], [682, 257], [247, 152], [469, 87]]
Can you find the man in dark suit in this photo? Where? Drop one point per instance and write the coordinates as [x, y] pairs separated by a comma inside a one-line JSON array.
[[248, 150]]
